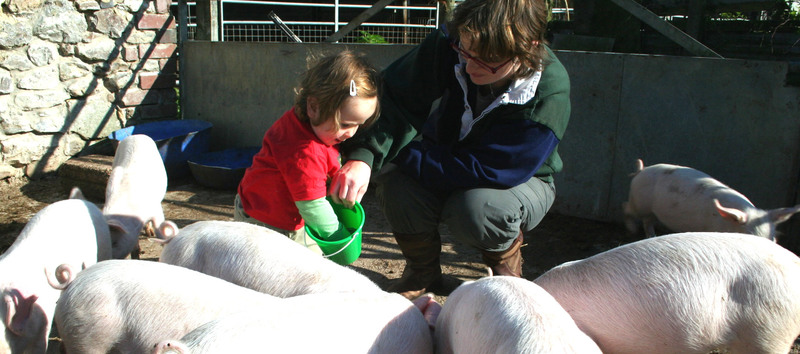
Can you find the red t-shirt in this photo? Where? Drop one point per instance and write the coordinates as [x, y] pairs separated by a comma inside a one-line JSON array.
[[293, 165]]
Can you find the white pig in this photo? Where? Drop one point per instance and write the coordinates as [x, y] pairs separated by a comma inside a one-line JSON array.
[[314, 323], [687, 200], [259, 258], [128, 306], [70, 231], [502, 314], [135, 189], [684, 293]]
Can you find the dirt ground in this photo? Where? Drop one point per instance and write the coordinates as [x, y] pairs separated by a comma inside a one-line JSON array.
[[556, 240]]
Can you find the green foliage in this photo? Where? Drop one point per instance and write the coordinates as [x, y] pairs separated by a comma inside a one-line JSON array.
[[794, 10], [367, 37], [733, 15], [178, 100]]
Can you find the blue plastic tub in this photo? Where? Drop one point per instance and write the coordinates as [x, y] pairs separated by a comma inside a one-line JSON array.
[[222, 169], [177, 141]]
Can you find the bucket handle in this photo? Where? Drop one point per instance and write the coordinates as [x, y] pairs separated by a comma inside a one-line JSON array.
[[341, 249]]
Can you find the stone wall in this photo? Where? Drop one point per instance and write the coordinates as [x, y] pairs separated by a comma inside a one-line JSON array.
[[73, 71]]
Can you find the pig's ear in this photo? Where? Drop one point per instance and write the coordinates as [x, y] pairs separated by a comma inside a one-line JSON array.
[[116, 229], [782, 214], [639, 168], [76, 193], [731, 214], [11, 308], [429, 307], [18, 310], [116, 226]]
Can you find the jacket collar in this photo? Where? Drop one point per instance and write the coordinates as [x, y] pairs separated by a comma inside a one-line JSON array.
[[522, 90], [519, 92]]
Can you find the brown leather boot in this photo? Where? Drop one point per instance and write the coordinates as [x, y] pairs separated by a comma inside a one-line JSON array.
[[508, 262], [422, 271]]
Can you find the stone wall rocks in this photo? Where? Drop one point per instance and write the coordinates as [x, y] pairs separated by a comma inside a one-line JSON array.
[[73, 71]]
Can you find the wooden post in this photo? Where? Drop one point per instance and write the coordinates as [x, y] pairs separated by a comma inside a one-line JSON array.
[[207, 15], [696, 14], [405, 22]]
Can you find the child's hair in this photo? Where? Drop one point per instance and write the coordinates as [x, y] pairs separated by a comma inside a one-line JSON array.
[[328, 79], [502, 29]]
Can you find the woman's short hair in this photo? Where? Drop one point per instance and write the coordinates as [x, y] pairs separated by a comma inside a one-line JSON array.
[[502, 29]]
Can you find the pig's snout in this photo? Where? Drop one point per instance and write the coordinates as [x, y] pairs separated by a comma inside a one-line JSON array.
[[170, 347]]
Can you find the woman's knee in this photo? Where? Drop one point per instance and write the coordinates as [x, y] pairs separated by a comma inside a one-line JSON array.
[[483, 218]]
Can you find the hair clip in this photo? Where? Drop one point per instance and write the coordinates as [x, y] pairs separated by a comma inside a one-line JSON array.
[[353, 90]]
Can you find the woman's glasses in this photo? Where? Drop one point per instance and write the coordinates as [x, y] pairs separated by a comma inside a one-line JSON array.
[[467, 56]]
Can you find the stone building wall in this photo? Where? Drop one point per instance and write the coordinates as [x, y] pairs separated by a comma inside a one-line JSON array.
[[73, 71]]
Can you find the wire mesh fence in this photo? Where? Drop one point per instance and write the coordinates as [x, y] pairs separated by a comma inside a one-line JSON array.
[[267, 32], [399, 24]]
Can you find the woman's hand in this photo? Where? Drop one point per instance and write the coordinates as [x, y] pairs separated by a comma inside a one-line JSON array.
[[350, 183]]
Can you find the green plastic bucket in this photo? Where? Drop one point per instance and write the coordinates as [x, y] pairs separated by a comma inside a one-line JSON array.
[[346, 250]]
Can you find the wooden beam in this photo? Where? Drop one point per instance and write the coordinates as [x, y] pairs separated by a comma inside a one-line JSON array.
[[357, 21], [207, 20], [667, 29]]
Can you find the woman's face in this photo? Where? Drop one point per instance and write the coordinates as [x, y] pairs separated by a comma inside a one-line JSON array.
[[353, 113], [480, 74]]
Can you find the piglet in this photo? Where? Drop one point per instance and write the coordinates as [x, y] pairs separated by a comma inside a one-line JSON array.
[[687, 200], [502, 314], [135, 189], [70, 231], [259, 258], [314, 323], [128, 306], [684, 293]]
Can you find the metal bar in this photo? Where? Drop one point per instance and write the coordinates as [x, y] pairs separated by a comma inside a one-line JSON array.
[[436, 17], [378, 6], [327, 23], [225, 25], [183, 36], [667, 29], [221, 28], [311, 4], [283, 27]]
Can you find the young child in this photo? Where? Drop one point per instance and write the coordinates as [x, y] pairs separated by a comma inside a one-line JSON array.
[[286, 185]]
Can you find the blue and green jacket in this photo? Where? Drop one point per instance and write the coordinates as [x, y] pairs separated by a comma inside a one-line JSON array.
[[425, 95]]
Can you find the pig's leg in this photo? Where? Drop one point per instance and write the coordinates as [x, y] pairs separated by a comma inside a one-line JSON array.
[[630, 218], [136, 251], [648, 223]]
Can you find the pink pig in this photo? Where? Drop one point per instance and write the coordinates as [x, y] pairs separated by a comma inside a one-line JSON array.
[[70, 231], [317, 323], [260, 259], [502, 314], [685, 199], [684, 293], [135, 189]]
